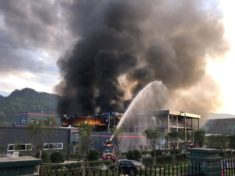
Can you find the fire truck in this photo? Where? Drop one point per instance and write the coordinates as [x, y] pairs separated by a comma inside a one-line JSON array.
[[109, 152]]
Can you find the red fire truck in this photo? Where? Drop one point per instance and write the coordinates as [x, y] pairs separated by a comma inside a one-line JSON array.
[[109, 152]]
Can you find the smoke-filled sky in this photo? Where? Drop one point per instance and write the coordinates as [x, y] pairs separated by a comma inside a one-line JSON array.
[[119, 46]]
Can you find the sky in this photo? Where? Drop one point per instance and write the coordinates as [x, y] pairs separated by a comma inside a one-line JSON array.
[[35, 34], [222, 69]]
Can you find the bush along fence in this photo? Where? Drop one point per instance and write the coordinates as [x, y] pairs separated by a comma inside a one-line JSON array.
[[201, 162], [182, 169]]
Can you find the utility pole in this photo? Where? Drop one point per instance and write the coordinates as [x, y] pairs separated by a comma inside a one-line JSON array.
[[184, 125], [109, 122]]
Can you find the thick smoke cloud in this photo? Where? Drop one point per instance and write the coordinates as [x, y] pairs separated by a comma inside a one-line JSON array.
[[142, 41]]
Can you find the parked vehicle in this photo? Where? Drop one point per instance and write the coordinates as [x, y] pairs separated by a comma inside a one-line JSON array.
[[130, 167]]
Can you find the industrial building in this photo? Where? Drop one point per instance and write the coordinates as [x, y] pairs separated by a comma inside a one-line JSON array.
[[168, 120], [177, 121], [98, 122], [165, 121], [65, 139], [23, 119], [25, 141], [223, 126]]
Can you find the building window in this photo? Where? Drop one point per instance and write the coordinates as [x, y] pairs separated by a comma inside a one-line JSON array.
[[75, 137], [19, 147], [52, 146], [45, 146], [23, 121], [11, 147], [29, 147]]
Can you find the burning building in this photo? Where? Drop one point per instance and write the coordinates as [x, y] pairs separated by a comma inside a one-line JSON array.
[[99, 122]]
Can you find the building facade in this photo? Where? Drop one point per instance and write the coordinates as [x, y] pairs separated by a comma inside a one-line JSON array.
[[23, 119], [224, 126], [50, 139], [165, 121], [25, 141], [66, 139], [177, 121]]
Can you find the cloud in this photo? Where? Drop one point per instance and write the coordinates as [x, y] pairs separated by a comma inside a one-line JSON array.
[[15, 59], [31, 23], [28, 28], [43, 82]]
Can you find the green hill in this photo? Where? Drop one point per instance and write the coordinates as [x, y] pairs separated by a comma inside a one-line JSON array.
[[25, 100]]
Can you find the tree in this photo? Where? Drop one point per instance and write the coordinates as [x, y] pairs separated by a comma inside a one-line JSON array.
[[84, 143], [85, 139], [173, 138], [199, 137], [93, 155], [152, 136], [36, 133]]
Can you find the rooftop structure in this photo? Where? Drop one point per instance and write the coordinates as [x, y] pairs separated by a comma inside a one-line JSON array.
[[178, 120], [225, 126], [23, 119], [168, 121]]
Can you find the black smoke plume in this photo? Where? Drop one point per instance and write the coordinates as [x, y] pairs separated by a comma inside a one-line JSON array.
[[138, 42]]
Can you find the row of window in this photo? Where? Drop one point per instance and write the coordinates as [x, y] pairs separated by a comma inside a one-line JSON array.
[[52, 146], [19, 147], [28, 147]]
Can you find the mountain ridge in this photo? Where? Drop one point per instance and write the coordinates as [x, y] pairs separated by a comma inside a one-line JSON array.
[[26, 100]]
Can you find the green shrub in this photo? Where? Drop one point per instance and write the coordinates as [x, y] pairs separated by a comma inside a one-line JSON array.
[[164, 159], [176, 151], [72, 156], [146, 152], [181, 157], [147, 162], [157, 153], [45, 157], [98, 163], [93, 155], [134, 155], [57, 157]]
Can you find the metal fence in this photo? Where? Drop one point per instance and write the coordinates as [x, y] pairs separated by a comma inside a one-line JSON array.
[[228, 167], [181, 169], [186, 168]]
